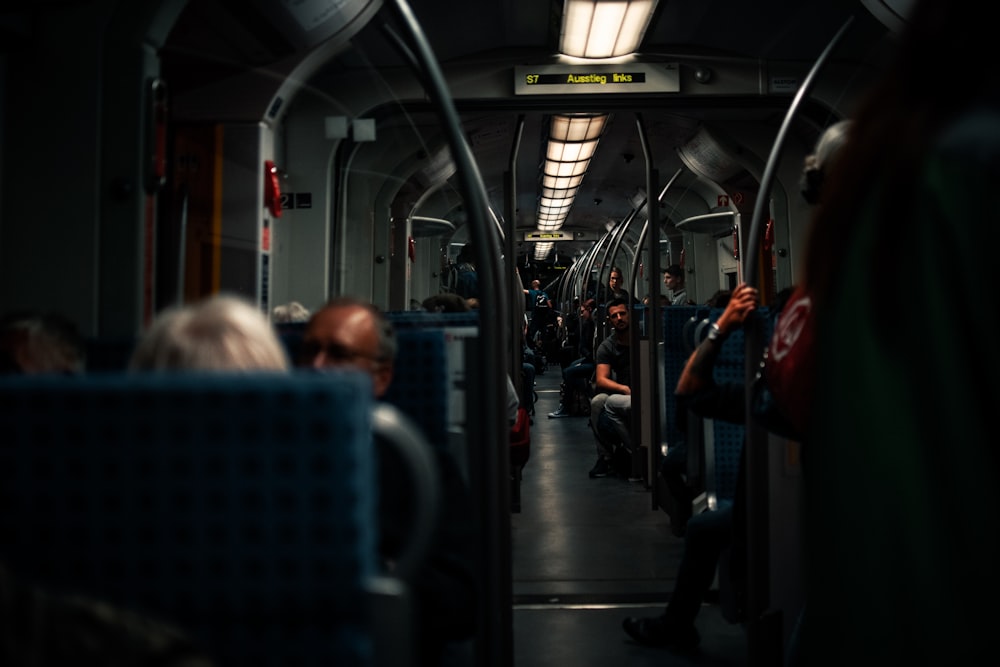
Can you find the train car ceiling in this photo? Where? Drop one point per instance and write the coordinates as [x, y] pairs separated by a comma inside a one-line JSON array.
[[219, 40]]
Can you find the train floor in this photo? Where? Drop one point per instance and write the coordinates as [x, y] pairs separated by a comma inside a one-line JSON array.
[[588, 553]]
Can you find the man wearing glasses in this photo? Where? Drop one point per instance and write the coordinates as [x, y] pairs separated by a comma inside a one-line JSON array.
[[349, 333]]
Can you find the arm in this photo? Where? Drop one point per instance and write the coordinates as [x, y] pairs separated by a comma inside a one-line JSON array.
[[608, 386], [513, 401], [697, 373]]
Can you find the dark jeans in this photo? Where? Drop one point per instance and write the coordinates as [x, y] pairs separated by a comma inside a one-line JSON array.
[[708, 534], [528, 386], [673, 468], [578, 371]]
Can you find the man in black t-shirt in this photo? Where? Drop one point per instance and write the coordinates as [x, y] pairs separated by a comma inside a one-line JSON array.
[[611, 407]]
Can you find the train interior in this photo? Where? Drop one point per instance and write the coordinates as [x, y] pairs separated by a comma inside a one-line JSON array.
[[155, 153]]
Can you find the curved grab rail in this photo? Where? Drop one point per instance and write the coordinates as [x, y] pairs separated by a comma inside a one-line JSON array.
[[496, 622], [397, 430], [750, 268], [758, 575]]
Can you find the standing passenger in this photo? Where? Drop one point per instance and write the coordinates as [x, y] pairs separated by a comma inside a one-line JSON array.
[[467, 280], [539, 309]]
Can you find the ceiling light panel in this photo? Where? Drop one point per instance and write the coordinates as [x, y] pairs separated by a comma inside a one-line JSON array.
[[557, 193], [542, 249], [576, 128], [561, 151], [604, 28], [563, 169]]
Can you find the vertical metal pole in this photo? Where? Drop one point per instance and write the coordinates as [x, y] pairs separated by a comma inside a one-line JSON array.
[[495, 639], [513, 288], [652, 404]]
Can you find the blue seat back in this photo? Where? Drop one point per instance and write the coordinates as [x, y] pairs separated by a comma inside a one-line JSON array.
[[421, 388], [429, 383], [682, 332], [420, 381], [240, 509], [684, 327]]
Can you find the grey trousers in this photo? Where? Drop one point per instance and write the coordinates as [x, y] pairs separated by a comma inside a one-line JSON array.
[[617, 409]]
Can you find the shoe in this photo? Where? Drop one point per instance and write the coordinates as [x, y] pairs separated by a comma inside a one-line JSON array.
[[657, 631], [601, 469], [561, 412]]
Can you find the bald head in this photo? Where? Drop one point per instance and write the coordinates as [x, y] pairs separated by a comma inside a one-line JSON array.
[[349, 333]]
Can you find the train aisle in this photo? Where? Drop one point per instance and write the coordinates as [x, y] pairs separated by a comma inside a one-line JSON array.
[[589, 552]]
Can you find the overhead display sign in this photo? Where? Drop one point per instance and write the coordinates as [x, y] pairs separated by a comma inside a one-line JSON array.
[[549, 236], [601, 79]]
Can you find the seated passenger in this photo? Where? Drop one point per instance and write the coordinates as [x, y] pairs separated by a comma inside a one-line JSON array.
[[611, 407], [576, 375], [32, 342], [673, 278], [220, 333], [42, 628], [351, 333], [615, 288], [290, 312], [707, 533], [446, 303], [452, 303], [673, 467]]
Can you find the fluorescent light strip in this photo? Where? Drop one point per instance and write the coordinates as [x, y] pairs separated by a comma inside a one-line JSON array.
[[572, 143], [562, 182], [570, 151], [555, 202], [542, 250], [604, 28], [564, 169], [559, 193], [590, 29], [576, 128]]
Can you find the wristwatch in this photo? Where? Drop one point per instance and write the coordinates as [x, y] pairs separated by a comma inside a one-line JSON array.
[[715, 333]]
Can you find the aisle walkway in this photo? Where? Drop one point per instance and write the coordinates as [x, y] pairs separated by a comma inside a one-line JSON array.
[[589, 552]]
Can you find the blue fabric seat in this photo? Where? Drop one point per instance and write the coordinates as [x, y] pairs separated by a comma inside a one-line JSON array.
[[240, 509]]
